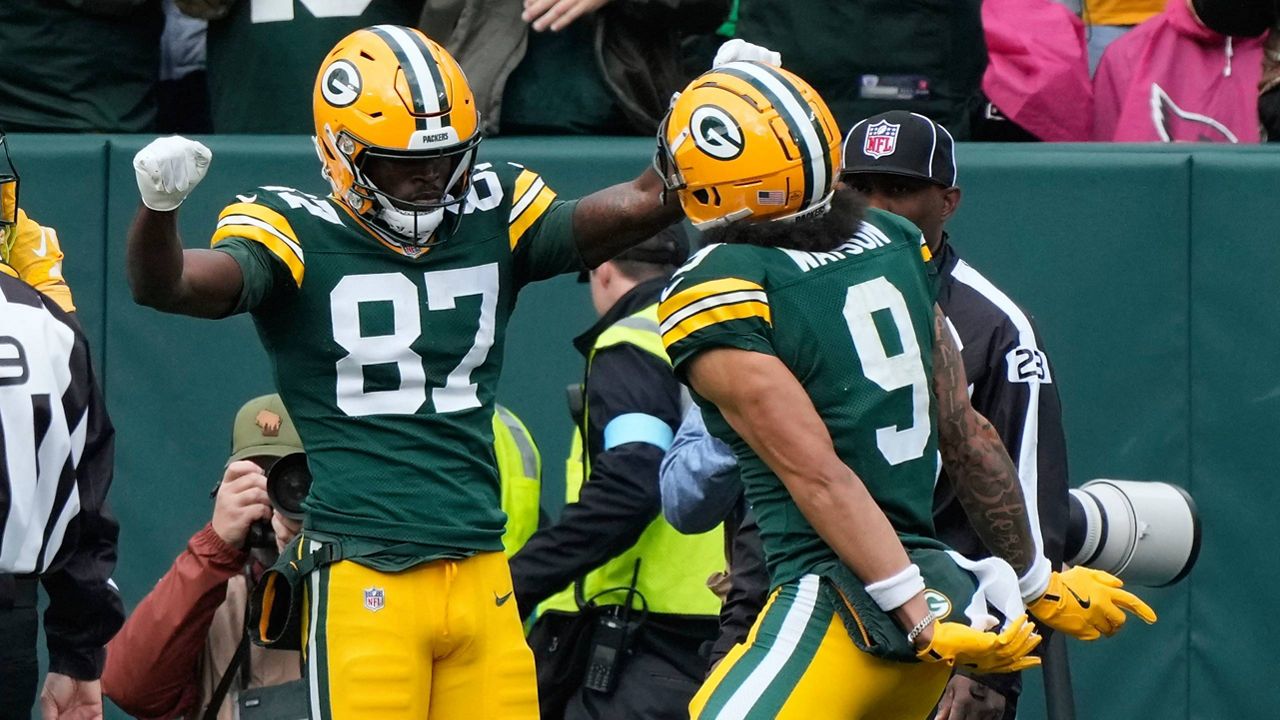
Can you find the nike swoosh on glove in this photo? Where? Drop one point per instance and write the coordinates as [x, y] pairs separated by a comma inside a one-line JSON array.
[[1087, 604], [168, 169], [986, 652]]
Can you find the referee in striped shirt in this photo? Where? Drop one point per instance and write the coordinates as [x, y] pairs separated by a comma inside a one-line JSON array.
[[905, 163], [56, 448]]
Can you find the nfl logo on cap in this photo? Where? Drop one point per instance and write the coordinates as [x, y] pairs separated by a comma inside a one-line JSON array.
[[882, 139], [374, 599]]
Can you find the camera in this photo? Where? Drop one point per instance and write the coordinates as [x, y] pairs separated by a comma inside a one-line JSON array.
[[288, 482], [1145, 533]]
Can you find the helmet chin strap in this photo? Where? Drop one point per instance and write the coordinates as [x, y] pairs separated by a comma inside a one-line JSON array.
[[413, 226]]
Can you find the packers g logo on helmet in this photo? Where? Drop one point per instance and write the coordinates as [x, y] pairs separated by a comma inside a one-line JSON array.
[[391, 92], [750, 141], [716, 133], [340, 83]]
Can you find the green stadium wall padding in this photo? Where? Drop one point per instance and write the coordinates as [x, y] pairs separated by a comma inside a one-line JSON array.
[[1148, 270]]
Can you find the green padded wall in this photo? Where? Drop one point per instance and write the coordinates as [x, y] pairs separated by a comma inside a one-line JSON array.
[[1145, 268]]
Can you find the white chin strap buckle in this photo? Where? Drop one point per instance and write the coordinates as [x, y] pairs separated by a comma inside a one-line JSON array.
[[415, 226]]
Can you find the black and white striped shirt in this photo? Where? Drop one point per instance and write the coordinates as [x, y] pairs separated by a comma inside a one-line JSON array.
[[56, 454], [1011, 383]]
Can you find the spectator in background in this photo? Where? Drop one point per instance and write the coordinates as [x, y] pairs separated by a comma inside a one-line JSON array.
[[55, 527], [1249, 18], [1174, 80], [187, 635], [262, 55], [868, 57], [184, 84], [1107, 20], [1036, 84], [79, 65], [588, 66]]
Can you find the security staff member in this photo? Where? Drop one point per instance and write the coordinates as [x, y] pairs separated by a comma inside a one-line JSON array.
[[55, 529], [519, 476], [611, 549], [905, 163]]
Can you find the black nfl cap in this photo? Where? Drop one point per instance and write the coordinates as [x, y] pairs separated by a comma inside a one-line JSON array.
[[901, 143]]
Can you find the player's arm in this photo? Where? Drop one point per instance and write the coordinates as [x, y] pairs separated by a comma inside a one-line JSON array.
[[608, 221], [1081, 602], [986, 482], [162, 275], [765, 404]]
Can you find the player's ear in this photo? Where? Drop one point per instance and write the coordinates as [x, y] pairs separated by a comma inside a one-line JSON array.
[[950, 202]]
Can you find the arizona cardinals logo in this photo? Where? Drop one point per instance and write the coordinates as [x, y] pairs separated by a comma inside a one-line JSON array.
[[1177, 125]]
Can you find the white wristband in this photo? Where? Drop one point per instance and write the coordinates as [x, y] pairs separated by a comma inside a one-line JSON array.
[[892, 592], [1036, 581]]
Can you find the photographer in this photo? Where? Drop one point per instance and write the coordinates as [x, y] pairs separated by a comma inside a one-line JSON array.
[[179, 643], [177, 649]]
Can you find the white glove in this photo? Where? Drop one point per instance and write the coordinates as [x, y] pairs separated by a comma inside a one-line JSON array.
[[739, 49], [168, 170]]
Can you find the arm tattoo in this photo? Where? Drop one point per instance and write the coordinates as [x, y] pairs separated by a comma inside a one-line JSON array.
[[985, 480]]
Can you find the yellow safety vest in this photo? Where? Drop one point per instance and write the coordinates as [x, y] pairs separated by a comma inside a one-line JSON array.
[[673, 567], [520, 475]]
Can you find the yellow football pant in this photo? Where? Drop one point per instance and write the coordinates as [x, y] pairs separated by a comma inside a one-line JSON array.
[[441, 640], [799, 662]]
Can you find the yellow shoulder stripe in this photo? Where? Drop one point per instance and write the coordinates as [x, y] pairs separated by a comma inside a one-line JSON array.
[[713, 315], [702, 291], [266, 227], [523, 181], [530, 206]]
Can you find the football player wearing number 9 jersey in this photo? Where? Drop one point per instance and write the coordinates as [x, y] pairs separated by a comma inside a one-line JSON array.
[[383, 306], [807, 329]]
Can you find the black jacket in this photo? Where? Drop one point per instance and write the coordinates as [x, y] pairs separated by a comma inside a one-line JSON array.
[[85, 609], [621, 496]]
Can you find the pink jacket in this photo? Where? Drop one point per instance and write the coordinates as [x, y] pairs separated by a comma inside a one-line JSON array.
[[1171, 79], [1038, 69]]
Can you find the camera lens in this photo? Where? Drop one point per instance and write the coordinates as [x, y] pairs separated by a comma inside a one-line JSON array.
[[288, 483], [1146, 533]]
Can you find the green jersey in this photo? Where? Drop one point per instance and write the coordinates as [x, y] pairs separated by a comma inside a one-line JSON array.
[[855, 326], [388, 357]]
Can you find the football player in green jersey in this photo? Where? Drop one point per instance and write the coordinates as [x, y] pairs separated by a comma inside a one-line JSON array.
[[810, 335], [383, 307]]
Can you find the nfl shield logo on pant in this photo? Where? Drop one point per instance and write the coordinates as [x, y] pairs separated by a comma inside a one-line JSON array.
[[374, 599]]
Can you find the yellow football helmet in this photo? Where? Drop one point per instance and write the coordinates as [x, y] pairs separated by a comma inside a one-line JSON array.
[[748, 140], [391, 92]]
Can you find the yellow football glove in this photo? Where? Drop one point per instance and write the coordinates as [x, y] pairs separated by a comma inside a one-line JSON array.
[[1087, 604], [958, 644]]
